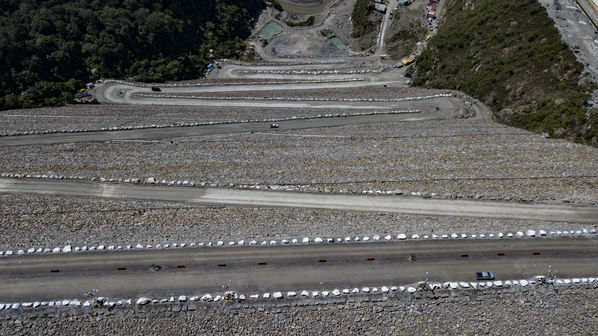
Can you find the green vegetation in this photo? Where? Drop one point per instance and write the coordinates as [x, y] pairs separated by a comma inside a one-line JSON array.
[[360, 18], [49, 49], [509, 55], [309, 22], [406, 30], [276, 5]]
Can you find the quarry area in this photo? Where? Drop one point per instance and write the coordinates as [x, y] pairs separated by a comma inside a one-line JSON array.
[[177, 208]]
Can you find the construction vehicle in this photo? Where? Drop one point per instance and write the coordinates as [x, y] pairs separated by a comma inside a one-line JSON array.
[[407, 61], [83, 96]]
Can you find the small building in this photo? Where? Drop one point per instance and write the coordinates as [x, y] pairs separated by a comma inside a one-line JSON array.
[[380, 7]]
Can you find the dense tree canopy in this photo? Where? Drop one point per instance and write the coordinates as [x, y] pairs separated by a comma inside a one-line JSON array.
[[48, 48]]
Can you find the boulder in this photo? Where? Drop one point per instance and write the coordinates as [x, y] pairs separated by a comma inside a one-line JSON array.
[[402, 236], [67, 249], [143, 301], [277, 295]]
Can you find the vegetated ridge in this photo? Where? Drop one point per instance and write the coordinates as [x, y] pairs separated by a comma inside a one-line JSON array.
[[365, 22], [48, 49], [509, 55]]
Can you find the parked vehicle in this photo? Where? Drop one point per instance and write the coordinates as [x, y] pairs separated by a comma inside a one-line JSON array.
[[156, 89], [274, 126], [484, 275]]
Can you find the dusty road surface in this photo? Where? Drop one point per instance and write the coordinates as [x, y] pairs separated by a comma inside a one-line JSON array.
[[385, 204], [248, 269]]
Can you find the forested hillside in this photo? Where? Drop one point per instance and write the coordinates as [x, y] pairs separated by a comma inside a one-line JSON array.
[[509, 54], [49, 48]]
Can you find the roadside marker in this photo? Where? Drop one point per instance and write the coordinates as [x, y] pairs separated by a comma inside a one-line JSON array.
[[322, 260]]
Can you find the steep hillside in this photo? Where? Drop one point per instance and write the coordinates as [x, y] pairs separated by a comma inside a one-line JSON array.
[[48, 48], [509, 54]]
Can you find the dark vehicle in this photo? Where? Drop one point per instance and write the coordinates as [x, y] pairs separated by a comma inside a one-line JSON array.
[[156, 89], [484, 275], [274, 126], [408, 74]]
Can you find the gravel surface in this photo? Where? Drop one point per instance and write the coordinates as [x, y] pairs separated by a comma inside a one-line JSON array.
[[451, 158], [344, 93], [100, 116], [44, 221], [542, 311]]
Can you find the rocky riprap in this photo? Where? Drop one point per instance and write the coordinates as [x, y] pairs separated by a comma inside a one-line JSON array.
[[524, 311]]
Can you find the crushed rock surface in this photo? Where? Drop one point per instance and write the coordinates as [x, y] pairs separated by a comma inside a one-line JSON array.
[[468, 158], [566, 311], [44, 221]]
